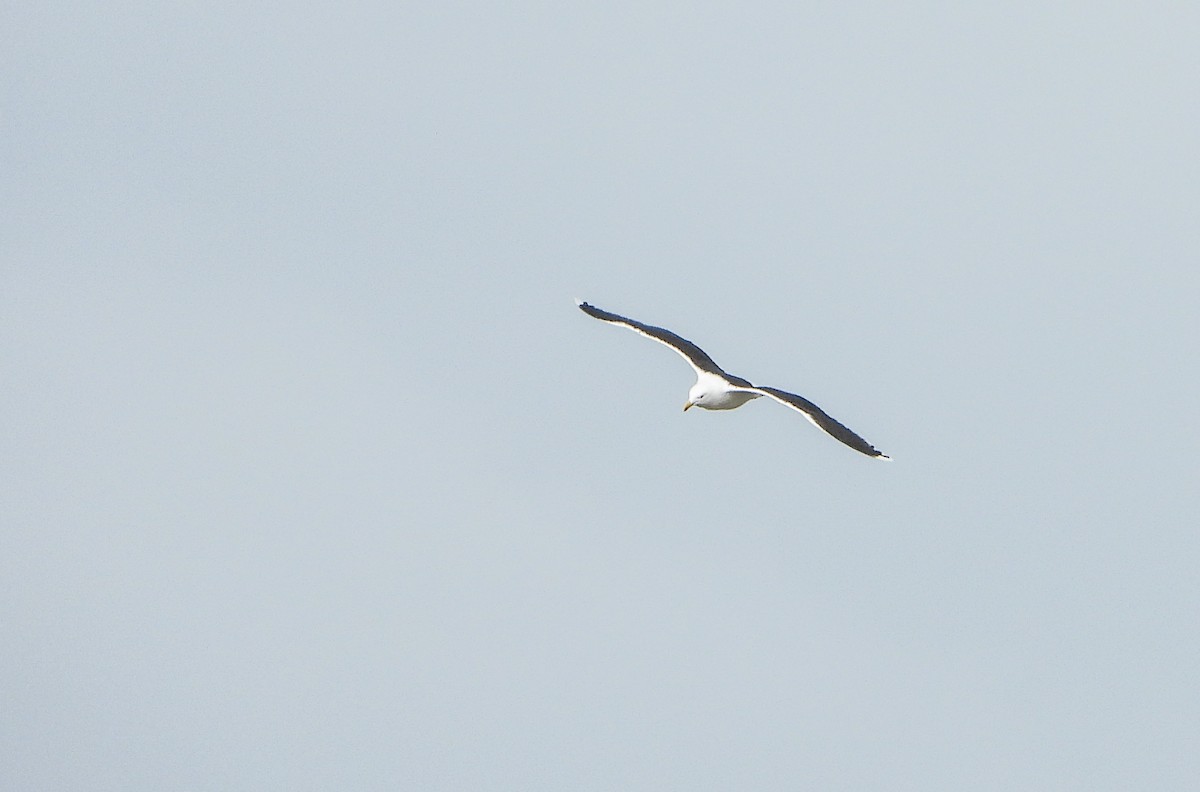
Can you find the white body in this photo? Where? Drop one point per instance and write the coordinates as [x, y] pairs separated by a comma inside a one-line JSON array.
[[713, 393]]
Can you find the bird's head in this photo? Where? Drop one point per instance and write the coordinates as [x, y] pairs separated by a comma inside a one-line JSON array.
[[697, 397]]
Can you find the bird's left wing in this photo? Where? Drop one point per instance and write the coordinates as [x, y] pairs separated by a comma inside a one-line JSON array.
[[820, 418]]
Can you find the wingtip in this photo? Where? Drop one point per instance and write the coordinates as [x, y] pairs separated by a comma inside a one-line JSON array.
[[580, 302], [883, 458]]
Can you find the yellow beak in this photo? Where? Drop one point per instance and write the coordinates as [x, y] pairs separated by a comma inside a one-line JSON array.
[[687, 405]]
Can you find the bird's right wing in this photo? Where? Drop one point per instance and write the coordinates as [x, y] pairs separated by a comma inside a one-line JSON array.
[[696, 357]]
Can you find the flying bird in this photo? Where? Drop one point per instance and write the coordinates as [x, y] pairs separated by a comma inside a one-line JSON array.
[[717, 390]]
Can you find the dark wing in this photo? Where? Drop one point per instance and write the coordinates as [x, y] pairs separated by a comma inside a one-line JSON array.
[[821, 419], [696, 357]]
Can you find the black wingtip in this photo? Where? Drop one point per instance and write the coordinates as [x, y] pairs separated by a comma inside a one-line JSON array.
[[593, 311]]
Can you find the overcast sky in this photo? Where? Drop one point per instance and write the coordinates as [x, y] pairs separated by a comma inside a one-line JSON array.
[[314, 478]]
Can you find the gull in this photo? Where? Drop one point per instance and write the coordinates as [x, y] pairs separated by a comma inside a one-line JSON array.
[[717, 390]]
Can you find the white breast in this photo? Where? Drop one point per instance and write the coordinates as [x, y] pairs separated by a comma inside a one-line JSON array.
[[725, 400]]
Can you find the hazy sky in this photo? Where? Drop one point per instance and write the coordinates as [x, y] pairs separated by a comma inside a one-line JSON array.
[[314, 478]]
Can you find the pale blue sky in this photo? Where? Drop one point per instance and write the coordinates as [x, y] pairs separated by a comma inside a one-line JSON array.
[[315, 477]]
